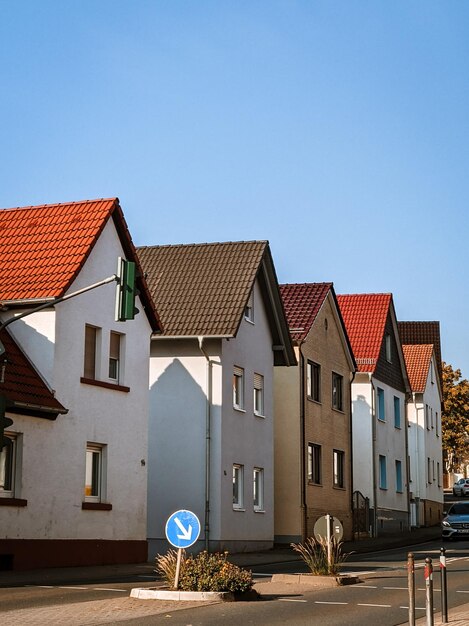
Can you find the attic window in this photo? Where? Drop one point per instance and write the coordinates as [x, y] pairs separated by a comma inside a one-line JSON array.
[[387, 339], [249, 309]]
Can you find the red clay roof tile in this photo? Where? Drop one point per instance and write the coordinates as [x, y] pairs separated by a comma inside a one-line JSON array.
[[417, 359], [302, 303], [365, 320]]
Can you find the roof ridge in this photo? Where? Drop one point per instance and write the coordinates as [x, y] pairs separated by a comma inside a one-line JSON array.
[[206, 243], [51, 204], [377, 293], [306, 284]]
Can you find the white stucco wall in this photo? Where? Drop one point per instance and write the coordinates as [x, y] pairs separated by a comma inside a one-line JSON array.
[[54, 452], [426, 442], [362, 436]]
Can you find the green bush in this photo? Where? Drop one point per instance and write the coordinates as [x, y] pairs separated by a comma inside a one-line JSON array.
[[314, 554], [204, 572]]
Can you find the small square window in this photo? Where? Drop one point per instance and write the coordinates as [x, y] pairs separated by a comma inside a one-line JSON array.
[[258, 489], [337, 391], [339, 468], [238, 388], [258, 394], [313, 384], [238, 486], [314, 463]]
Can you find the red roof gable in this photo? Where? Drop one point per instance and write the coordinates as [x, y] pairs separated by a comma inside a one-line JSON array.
[[365, 320], [302, 303], [417, 359], [44, 248], [21, 383]]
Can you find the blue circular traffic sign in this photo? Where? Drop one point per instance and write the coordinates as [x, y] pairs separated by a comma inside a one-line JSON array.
[[182, 529]]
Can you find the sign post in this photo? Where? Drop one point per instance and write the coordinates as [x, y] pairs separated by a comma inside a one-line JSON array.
[[330, 529], [182, 531]]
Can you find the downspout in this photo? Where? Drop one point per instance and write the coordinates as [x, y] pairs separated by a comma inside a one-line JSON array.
[[373, 443], [208, 419], [352, 378], [304, 508]]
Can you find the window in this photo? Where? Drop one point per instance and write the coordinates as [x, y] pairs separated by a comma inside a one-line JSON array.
[[438, 473], [427, 420], [337, 383], [258, 489], [397, 412], [433, 470], [258, 394], [238, 486], [432, 379], [381, 406], [387, 339], [238, 388], [114, 355], [398, 476], [431, 417], [94, 483], [339, 467], [7, 467], [313, 381], [383, 481], [429, 478], [314, 463], [249, 309], [89, 369], [437, 426]]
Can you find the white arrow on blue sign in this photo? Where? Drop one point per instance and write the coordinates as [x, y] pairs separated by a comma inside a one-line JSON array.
[[182, 529]]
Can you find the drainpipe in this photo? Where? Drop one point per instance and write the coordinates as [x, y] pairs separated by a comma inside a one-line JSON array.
[[304, 508], [350, 434], [208, 418], [373, 443]]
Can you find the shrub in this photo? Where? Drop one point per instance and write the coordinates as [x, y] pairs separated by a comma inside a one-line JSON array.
[[314, 554], [204, 572]]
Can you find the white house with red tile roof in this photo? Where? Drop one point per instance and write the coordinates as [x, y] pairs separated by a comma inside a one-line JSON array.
[[425, 437], [379, 424], [313, 446], [73, 487], [211, 391]]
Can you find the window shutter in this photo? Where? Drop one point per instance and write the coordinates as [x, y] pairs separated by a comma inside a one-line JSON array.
[[258, 381], [238, 371]]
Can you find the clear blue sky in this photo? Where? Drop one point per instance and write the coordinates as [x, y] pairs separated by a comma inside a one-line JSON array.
[[337, 130]]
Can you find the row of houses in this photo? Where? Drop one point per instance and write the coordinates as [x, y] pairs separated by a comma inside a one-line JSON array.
[[258, 406]]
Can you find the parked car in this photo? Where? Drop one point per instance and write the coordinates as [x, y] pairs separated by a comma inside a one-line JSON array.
[[461, 488], [456, 522]]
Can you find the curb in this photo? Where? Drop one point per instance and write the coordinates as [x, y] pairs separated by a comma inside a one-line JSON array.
[[178, 596]]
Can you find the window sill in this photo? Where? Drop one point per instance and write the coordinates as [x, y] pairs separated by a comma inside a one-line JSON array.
[[239, 409], [339, 487], [381, 421], [239, 509], [13, 502], [246, 319], [105, 385], [259, 415], [262, 511], [96, 506], [313, 400], [338, 410], [310, 482], [397, 427]]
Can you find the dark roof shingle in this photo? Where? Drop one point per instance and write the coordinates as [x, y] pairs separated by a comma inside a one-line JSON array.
[[302, 303]]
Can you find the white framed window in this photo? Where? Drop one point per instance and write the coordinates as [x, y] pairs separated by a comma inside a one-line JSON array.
[[249, 309], [339, 468], [8, 467], [313, 381], [337, 392], [258, 394], [91, 350], [429, 469], [258, 488], [238, 486], [238, 387], [115, 340], [437, 426], [95, 473]]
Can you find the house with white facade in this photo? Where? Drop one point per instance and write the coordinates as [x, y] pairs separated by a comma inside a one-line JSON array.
[[379, 422], [211, 447], [73, 477], [312, 406]]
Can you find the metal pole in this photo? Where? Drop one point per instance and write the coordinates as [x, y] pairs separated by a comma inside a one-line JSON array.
[[329, 539], [411, 586], [429, 591], [444, 588], [178, 567]]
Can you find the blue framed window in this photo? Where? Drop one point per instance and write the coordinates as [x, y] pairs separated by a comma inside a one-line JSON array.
[[381, 409], [397, 412], [383, 481], [398, 476]]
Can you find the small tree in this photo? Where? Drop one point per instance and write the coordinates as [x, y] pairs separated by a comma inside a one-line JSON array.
[[455, 419]]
